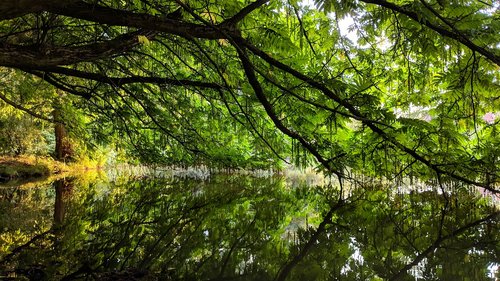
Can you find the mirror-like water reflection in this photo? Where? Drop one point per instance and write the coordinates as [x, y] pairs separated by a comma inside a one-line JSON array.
[[241, 227]]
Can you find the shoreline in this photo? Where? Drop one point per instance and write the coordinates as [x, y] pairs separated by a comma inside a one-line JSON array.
[[33, 168]]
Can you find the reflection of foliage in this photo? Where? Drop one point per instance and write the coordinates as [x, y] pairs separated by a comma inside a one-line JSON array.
[[395, 233], [27, 209], [24, 212], [243, 228]]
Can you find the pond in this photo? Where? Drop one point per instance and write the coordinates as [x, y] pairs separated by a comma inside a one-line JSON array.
[[236, 226]]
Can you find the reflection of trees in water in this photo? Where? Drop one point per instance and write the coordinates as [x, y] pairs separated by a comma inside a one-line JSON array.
[[63, 188], [34, 223], [234, 229]]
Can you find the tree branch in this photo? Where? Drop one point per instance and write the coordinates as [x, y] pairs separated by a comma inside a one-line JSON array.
[[57, 84], [22, 108], [460, 37], [10, 9], [116, 17], [243, 13], [38, 57], [120, 81], [358, 115], [254, 82]]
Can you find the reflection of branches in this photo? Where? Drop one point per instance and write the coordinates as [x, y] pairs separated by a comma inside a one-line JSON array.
[[24, 246], [438, 242], [399, 228], [187, 216], [236, 242], [327, 219]]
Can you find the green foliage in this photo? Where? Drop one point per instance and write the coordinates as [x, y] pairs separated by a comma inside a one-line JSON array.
[[247, 228], [22, 134], [13, 169], [409, 90]]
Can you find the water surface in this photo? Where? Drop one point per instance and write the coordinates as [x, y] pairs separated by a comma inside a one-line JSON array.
[[243, 227]]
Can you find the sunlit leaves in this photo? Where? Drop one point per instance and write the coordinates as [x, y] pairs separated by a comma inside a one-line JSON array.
[[414, 84], [143, 39]]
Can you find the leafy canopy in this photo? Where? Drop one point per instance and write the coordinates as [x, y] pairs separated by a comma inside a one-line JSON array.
[[413, 95]]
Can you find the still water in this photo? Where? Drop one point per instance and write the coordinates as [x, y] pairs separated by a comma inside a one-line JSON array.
[[244, 227]]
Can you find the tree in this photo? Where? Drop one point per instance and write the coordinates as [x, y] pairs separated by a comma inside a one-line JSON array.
[[414, 97]]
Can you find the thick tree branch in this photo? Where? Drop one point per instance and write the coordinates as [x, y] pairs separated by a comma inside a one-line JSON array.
[[46, 56], [116, 17], [10, 9]]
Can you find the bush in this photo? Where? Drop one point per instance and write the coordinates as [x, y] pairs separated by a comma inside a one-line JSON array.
[[21, 134]]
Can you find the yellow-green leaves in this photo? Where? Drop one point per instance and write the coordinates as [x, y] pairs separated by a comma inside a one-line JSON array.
[[143, 39]]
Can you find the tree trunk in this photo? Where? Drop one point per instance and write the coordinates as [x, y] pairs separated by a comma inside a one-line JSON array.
[[59, 202], [60, 134], [63, 188], [63, 148]]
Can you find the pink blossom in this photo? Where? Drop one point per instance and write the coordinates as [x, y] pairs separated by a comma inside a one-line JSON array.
[[489, 118]]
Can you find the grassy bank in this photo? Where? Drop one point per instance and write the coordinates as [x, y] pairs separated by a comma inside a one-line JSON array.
[[24, 167]]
